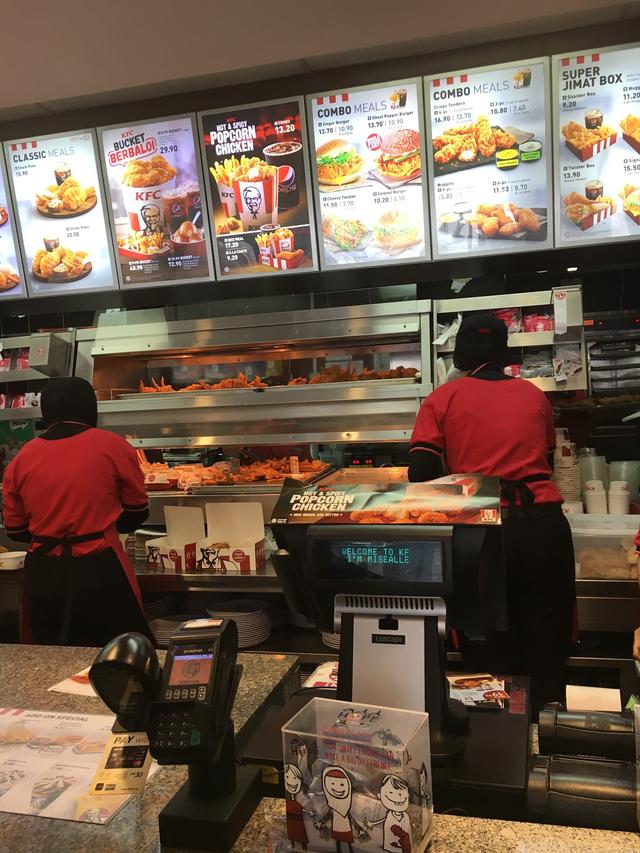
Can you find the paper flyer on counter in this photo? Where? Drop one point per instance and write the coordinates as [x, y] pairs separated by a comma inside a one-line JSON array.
[[368, 170], [65, 239], [156, 189], [258, 168], [12, 283], [597, 112], [389, 503], [490, 160], [47, 763]]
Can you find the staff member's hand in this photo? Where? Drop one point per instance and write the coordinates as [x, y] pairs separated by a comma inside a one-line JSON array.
[[636, 644]]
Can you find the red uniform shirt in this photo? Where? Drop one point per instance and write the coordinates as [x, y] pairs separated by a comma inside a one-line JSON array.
[[73, 486], [500, 428]]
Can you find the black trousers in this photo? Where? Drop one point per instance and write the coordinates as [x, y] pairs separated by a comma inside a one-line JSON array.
[[82, 601], [540, 568]]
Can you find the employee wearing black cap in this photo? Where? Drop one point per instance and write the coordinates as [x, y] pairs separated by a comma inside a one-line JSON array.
[[491, 424], [68, 494]]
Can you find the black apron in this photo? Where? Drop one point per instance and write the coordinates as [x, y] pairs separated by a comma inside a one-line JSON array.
[[78, 600], [511, 490]]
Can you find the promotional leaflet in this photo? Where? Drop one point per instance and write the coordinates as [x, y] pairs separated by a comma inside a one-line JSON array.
[[597, 123], [64, 236], [155, 183], [256, 157], [368, 171], [11, 277], [489, 160]]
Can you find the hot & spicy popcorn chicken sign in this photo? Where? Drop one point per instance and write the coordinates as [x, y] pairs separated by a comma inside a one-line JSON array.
[[256, 157], [368, 174], [63, 226], [155, 183], [489, 159], [597, 105]]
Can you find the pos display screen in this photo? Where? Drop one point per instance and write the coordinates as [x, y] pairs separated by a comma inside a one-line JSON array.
[[190, 668], [392, 560]]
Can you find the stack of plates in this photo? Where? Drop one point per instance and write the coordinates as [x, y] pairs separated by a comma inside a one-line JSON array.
[[140, 543], [158, 608], [331, 640], [251, 617], [566, 472], [300, 621], [164, 628]]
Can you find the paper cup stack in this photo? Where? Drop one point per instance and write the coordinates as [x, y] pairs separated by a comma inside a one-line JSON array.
[[595, 497], [628, 471], [619, 496], [566, 471]]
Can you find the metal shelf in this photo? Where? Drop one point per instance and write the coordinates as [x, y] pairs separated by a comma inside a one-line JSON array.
[[29, 374], [31, 413]]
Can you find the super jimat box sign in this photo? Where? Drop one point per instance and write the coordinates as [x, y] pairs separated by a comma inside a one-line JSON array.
[[468, 499], [357, 778]]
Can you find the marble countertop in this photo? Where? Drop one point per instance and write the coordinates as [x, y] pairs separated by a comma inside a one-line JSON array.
[[454, 834], [27, 672]]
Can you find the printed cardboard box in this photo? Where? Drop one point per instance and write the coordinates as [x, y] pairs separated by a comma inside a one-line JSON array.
[[176, 552], [234, 542], [357, 777]]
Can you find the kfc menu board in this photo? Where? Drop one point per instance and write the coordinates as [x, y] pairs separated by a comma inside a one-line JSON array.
[[490, 160], [597, 103], [63, 229], [155, 184], [257, 161], [368, 171], [11, 278]]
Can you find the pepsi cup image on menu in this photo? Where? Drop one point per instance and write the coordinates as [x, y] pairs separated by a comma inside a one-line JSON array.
[[155, 187], [66, 244], [597, 102], [259, 200], [368, 174]]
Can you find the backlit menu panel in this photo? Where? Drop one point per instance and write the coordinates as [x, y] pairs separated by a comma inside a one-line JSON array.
[[12, 285], [368, 171], [63, 229]]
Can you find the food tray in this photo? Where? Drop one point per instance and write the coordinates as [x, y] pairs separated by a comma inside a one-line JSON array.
[[366, 476], [632, 142], [465, 232], [456, 166], [597, 147], [596, 218], [135, 395], [258, 488]]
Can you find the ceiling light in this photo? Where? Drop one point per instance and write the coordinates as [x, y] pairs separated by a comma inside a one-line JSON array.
[[572, 269]]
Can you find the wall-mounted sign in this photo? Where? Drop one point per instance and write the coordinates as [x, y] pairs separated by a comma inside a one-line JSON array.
[[256, 157], [64, 236], [12, 284], [597, 122], [368, 173], [155, 183], [490, 160]]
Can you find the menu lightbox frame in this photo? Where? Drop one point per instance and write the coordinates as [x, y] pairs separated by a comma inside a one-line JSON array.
[[21, 292], [68, 288], [126, 286], [336, 94], [548, 153], [304, 132], [587, 240]]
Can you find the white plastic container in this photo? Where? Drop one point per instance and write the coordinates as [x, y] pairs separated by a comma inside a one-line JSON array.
[[604, 546], [11, 560]]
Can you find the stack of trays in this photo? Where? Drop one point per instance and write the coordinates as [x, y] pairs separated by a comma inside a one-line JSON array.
[[331, 640], [251, 617]]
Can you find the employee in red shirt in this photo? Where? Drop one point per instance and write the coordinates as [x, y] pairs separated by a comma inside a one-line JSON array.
[[492, 424], [69, 493]]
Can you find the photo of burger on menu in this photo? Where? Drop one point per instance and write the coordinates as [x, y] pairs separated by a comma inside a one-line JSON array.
[[368, 174], [156, 201], [63, 227], [257, 163]]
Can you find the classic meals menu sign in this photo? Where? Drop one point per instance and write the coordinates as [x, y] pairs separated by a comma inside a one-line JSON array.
[[64, 235], [12, 284], [597, 124], [490, 159], [157, 213], [258, 168], [368, 173]]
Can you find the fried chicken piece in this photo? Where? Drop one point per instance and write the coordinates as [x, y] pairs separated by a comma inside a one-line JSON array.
[[476, 220], [486, 209], [298, 380], [468, 150], [509, 229], [490, 226], [504, 139], [528, 219], [449, 152]]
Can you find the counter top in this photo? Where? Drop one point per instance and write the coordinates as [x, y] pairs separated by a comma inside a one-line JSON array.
[[26, 673], [454, 834]]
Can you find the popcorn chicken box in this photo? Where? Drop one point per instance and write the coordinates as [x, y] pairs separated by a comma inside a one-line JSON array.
[[283, 240], [234, 542], [359, 775], [176, 552]]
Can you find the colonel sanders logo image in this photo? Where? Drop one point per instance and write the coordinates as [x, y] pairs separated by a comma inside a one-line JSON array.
[[151, 216], [253, 200], [210, 558]]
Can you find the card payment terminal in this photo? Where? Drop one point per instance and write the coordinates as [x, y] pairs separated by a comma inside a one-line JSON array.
[[199, 680]]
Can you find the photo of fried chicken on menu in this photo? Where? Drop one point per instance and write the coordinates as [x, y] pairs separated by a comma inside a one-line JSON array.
[[66, 198], [472, 144]]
